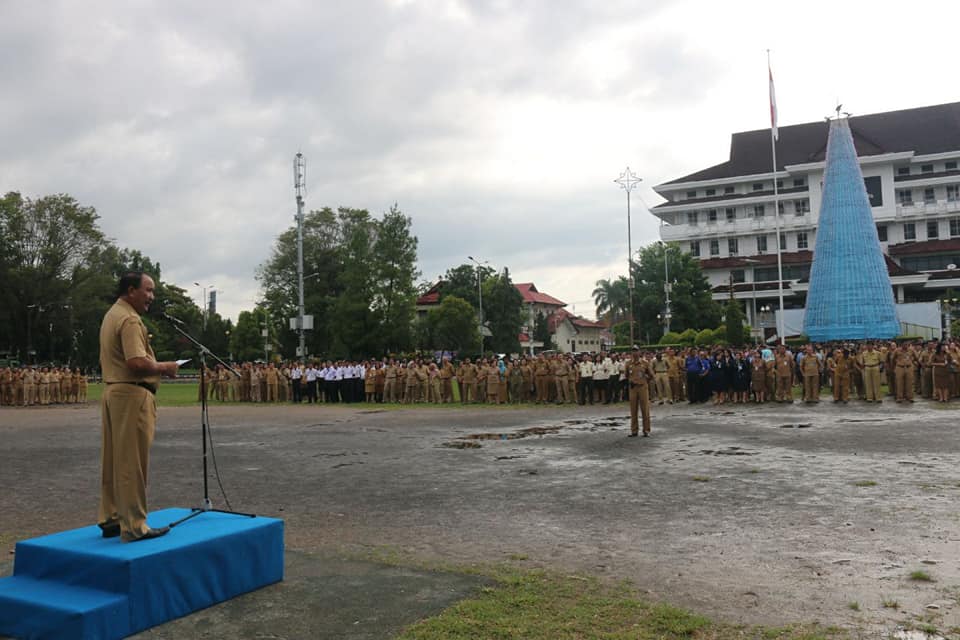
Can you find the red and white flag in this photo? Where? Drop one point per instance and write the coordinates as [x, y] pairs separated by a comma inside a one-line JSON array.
[[773, 107]]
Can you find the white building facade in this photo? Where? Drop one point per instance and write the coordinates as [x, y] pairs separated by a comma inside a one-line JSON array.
[[725, 215]]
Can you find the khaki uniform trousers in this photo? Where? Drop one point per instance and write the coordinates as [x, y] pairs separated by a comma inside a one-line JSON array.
[[541, 389], [871, 383], [561, 385], [784, 388], [841, 387], [904, 378], [446, 390], [663, 387], [129, 417], [811, 388], [272, 390], [390, 390], [639, 406]]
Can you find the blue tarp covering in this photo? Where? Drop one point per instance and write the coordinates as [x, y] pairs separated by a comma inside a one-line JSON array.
[[850, 296]]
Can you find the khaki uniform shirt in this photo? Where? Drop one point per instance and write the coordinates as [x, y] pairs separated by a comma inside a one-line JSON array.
[[124, 336]]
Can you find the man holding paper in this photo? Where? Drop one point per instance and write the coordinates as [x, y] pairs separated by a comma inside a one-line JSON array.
[[131, 375]]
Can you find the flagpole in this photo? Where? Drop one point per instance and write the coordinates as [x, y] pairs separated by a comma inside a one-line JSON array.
[[776, 201]]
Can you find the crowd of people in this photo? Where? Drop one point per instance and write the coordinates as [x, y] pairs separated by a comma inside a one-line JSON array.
[[719, 375], [28, 386]]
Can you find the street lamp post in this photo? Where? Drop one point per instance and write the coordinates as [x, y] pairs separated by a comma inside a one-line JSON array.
[[205, 303], [667, 315], [627, 181], [479, 297]]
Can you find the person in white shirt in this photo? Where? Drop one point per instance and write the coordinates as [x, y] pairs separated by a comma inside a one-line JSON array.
[[296, 373], [311, 375]]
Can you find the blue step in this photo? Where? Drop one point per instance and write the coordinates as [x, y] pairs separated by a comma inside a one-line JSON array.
[[208, 559]]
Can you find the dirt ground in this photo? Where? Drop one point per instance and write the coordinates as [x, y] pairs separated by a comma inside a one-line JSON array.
[[768, 515]]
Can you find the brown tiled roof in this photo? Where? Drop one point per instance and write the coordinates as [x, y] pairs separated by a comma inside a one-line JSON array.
[[920, 248], [530, 294], [432, 296], [924, 130], [764, 260]]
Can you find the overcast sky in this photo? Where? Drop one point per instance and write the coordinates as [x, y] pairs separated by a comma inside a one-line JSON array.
[[498, 126]]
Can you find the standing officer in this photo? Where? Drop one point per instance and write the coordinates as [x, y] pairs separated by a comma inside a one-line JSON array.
[[131, 375], [783, 365], [446, 381], [638, 375], [810, 369], [869, 362]]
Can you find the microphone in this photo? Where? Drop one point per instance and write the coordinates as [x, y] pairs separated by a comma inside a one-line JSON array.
[[173, 319]]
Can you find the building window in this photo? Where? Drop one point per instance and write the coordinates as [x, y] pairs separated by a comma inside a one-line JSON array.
[[802, 207], [733, 246], [731, 214], [905, 197], [954, 227], [929, 263], [953, 192], [933, 229], [926, 168], [783, 242], [780, 208], [951, 166], [882, 232], [799, 182], [758, 186], [712, 216], [692, 218], [738, 276], [691, 194], [929, 197], [874, 189], [761, 244], [802, 240], [711, 192], [714, 247], [759, 211], [779, 184], [909, 231], [695, 248], [903, 171], [729, 190]]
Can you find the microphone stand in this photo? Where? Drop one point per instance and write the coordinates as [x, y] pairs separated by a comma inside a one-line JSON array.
[[206, 505]]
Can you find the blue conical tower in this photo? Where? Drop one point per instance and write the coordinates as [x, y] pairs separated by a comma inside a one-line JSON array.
[[850, 294]]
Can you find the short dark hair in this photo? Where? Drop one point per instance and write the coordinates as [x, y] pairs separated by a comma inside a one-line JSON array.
[[129, 279]]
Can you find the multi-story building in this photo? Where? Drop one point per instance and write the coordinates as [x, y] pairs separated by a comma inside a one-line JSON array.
[[725, 215]]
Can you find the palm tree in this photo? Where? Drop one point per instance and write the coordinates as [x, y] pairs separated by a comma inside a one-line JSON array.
[[612, 300]]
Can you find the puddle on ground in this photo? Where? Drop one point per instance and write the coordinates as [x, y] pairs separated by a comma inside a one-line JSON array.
[[796, 425], [462, 445], [913, 634], [469, 441], [729, 451]]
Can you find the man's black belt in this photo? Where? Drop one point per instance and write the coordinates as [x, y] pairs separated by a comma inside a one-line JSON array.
[[146, 385]]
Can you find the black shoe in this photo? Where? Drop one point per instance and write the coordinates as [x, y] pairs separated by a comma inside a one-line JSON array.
[[109, 529], [151, 533], [632, 435], [646, 434]]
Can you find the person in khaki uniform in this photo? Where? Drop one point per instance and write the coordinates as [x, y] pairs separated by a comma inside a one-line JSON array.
[[869, 362], [926, 371], [904, 363], [810, 369], [390, 382], [638, 375], [492, 381], [272, 379], [542, 373], [783, 365], [841, 375], [661, 372], [560, 373], [467, 376], [131, 374], [446, 381]]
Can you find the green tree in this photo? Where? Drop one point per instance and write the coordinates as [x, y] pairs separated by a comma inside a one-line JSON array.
[[691, 300], [395, 257], [612, 299], [453, 325], [503, 313], [246, 339], [463, 281], [541, 332], [736, 332]]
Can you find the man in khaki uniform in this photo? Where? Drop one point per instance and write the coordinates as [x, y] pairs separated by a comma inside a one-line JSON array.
[[446, 381], [560, 373], [904, 363], [390, 382], [783, 365], [639, 375], [273, 382], [131, 375], [869, 361], [810, 368], [467, 375], [661, 372]]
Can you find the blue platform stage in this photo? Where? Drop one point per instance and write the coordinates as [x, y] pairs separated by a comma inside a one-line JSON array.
[[76, 584]]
